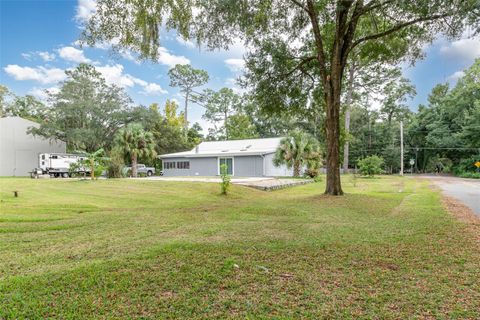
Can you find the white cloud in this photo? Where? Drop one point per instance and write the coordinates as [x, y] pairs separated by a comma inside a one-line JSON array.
[[168, 59], [42, 93], [455, 76], [46, 56], [186, 43], [73, 54], [235, 65], [85, 10], [153, 89], [113, 74], [463, 49], [27, 56], [40, 74]]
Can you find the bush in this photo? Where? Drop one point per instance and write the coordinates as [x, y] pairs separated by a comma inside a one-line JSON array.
[[466, 166], [312, 173], [470, 175], [370, 166], [116, 165], [225, 184]]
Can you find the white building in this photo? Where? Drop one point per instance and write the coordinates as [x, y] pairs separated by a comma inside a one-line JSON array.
[[19, 150]]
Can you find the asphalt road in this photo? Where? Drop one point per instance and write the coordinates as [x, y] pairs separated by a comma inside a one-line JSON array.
[[465, 190]]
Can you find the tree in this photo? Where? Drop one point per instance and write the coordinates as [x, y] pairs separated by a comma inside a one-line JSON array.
[[300, 48], [94, 159], [396, 94], [219, 105], [86, 113], [296, 150], [136, 143], [239, 127], [370, 166], [187, 78]]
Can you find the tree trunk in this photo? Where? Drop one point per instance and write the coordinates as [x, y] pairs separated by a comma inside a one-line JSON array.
[[92, 169], [296, 168], [134, 165], [185, 122], [332, 126], [348, 102], [225, 124]]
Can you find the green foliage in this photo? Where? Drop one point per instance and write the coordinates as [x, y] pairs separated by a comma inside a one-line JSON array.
[[116, 164], [225, 184], [296, 150], [27, 107], [370, 166], [86, 112], [134, 142], [469, 175], [185, 77], [219, 106], [239, 126]]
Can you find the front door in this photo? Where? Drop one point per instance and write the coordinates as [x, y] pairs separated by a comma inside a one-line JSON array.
[[228, 162]]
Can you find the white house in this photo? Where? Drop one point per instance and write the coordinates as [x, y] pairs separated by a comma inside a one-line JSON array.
[[244, 158], [19, 150]]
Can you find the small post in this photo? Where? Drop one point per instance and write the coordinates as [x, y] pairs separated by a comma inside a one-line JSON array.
[[15, 194]]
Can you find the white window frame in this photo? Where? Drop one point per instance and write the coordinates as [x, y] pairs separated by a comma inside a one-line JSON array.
[[233, 164]]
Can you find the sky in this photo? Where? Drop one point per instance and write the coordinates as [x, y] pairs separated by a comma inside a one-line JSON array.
[[38, 43]]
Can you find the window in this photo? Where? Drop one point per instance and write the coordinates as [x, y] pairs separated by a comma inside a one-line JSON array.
[[183, 165], [43, 157], [169, 165]]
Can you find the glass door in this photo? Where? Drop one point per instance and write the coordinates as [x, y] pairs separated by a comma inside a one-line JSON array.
[[228, 162]]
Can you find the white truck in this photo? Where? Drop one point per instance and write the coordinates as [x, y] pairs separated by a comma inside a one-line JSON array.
[[58, 165]]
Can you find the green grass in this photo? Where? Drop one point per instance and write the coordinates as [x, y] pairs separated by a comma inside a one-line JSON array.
[[154, 249]]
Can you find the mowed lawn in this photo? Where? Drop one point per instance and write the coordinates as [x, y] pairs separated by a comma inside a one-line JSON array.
[[151, 249]]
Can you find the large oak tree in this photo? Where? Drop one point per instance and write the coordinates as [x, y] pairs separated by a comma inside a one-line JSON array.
[[289, 40]]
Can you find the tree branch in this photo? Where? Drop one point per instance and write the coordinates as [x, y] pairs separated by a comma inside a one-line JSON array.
[[396, 28], [318, 39], [300, 5]]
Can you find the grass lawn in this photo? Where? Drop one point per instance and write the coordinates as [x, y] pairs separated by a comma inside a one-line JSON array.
[[155, 249]]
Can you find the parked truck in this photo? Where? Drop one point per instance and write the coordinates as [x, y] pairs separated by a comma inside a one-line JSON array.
[[57, 165]]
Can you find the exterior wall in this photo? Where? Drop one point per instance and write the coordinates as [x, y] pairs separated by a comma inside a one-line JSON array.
[[272, 171], [19, 150], [248, 166], [198, 167], [244, 166]]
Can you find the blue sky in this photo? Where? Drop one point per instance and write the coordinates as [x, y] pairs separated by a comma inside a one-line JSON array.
[[38, 43]]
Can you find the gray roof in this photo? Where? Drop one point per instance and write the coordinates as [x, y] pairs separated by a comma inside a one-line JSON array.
[[229, 148]]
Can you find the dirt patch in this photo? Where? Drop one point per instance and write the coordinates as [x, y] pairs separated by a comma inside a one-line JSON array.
[[464, 214]]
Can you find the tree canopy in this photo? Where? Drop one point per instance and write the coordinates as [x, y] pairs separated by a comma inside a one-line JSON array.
[[299, 49]]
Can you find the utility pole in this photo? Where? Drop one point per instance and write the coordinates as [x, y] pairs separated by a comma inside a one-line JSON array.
[[401, 148]]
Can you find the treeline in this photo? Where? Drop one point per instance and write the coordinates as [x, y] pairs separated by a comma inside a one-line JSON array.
[[444, 135]]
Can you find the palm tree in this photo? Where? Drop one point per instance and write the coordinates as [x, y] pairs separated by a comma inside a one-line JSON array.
[[296, 150], [136, 143]]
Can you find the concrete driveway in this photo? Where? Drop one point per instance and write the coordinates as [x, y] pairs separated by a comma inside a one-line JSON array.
[[466, 191]]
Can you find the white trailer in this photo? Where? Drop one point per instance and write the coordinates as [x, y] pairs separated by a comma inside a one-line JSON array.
[[58, 164]]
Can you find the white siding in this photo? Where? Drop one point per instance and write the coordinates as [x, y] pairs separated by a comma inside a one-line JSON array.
[[272, 171], [19, 150]]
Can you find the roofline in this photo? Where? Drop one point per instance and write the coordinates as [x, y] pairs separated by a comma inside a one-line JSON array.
[[217, 154]]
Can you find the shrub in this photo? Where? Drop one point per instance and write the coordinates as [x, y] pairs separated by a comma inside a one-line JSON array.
[[312, 173], [116, 165], [370, 166], [471, 175], [225, 184]]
